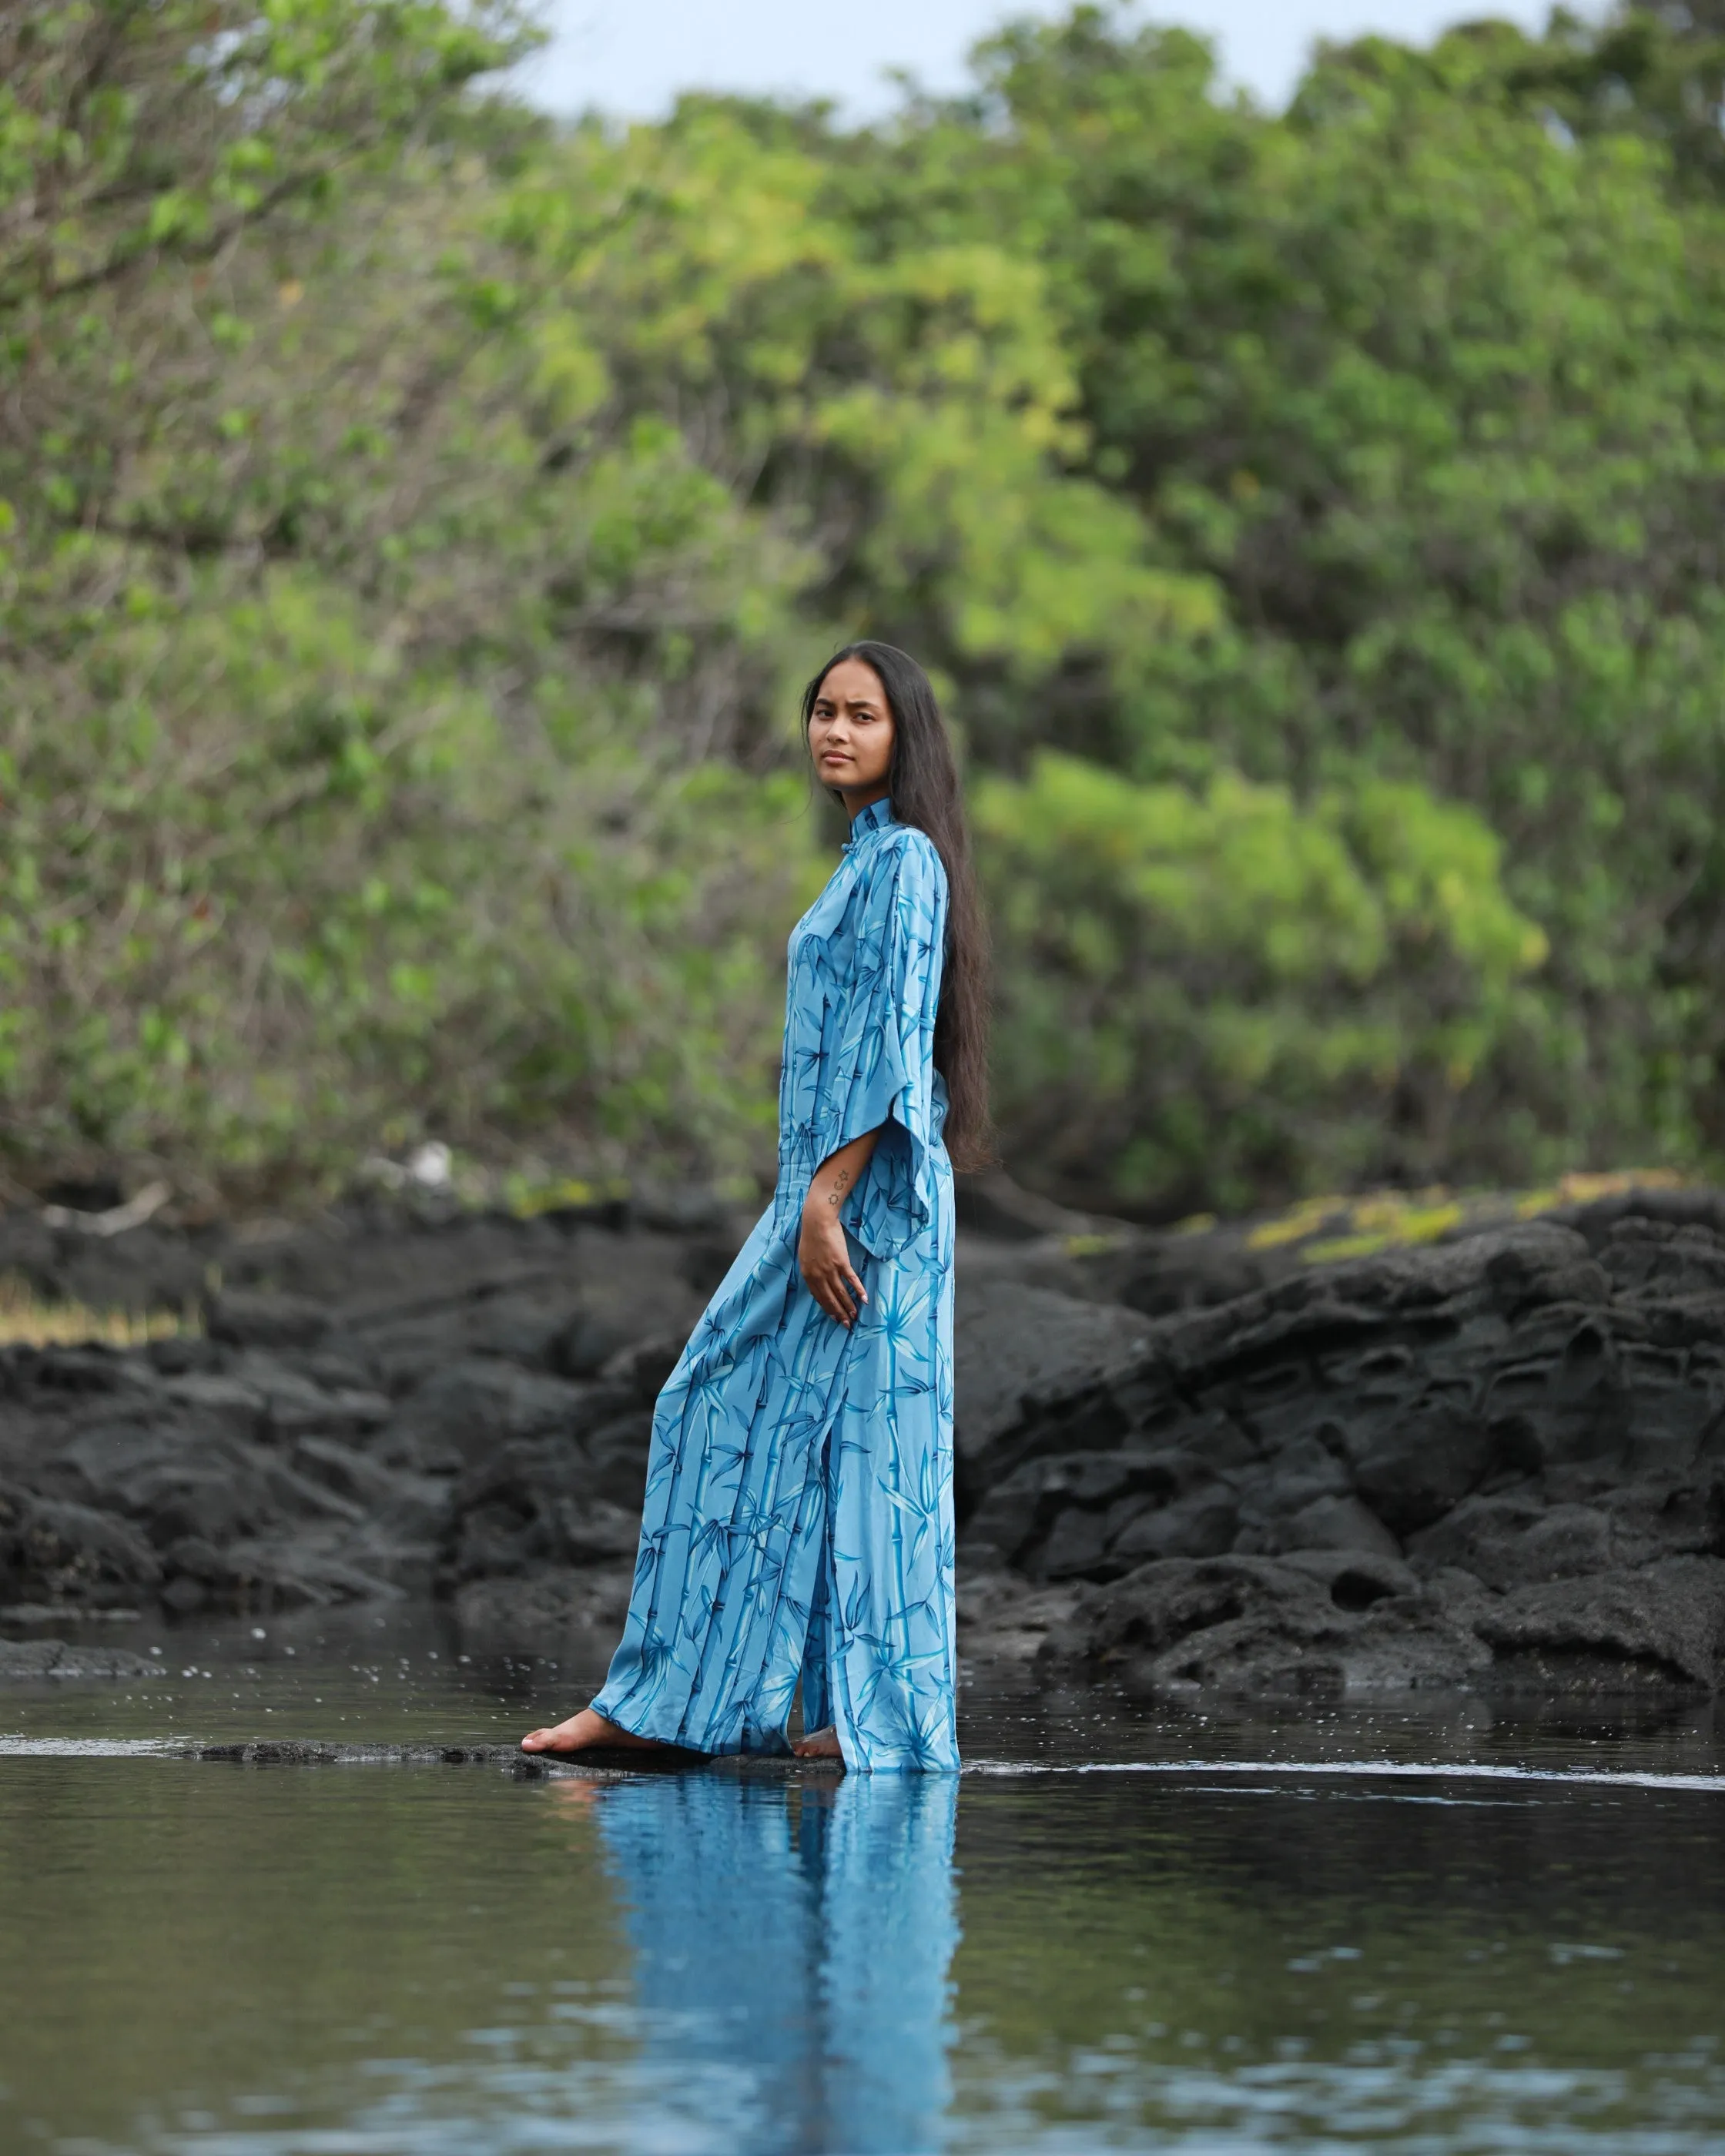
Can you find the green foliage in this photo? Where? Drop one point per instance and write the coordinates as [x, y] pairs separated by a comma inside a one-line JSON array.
[[366, 735], [904, 416], [1209, 988], [280, 898], [414, 521], [1435, 393]]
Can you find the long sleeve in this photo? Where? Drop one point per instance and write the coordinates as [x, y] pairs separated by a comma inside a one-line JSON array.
[[882, 1071]]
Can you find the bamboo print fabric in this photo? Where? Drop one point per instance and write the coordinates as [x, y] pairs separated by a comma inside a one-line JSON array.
[[799, 1510], [792, 1958]]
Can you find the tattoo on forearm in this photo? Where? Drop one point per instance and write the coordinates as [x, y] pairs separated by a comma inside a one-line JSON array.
[[838, 1190]]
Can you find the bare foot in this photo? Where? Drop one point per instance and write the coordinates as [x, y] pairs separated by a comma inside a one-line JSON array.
[[819, 1744], [584, 1732]]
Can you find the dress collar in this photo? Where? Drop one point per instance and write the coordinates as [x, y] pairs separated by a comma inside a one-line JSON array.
[[875, 818]]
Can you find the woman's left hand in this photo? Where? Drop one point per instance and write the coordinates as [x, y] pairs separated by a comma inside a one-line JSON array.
[[824, 1259], [822, 1252]]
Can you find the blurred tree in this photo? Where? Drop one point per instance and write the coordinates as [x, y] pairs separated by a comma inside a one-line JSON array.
[[1431, 386], [1210, 990], [1313, 520], [357, 736], [1657, 71]]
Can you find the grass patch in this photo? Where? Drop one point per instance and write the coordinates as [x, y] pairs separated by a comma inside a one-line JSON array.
[[1335, 1227], [27, 1320]]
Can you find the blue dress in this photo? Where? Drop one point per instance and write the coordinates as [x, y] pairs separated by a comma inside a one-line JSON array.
[[792, 1961], [797, 1519]]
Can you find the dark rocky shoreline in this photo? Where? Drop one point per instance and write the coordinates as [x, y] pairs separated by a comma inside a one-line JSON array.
[[1496, 1463]]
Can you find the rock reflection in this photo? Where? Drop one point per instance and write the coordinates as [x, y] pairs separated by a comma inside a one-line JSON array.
[[798, 1939]]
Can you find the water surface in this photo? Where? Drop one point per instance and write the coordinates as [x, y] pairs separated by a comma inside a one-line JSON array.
[[1125, 1928]]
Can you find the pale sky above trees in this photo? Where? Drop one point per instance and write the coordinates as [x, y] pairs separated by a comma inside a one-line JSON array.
[[633, 56]]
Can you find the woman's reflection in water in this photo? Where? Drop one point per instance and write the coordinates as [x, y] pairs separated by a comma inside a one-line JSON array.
[[797, 1935]]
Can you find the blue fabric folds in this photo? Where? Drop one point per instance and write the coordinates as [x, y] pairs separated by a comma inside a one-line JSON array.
[[797, 1519], [793, 1956]]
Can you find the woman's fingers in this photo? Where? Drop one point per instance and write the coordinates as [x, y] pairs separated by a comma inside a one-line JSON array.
[[831, 1279], [827, 1284]]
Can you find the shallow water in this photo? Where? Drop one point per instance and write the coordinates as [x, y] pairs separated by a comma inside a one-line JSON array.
[[1121, 1929]]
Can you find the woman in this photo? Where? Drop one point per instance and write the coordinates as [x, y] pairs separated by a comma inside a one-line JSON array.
[[793, 1954], [798, 1512]]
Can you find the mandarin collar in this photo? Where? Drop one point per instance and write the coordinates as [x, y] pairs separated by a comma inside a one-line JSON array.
[[875, 818]]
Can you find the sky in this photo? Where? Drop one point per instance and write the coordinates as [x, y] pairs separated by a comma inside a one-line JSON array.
[[631, 57]]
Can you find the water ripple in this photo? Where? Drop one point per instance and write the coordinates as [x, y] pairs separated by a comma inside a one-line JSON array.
[[1396, 1769]]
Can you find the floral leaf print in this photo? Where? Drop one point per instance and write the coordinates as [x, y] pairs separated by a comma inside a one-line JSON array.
[[799, 1516]]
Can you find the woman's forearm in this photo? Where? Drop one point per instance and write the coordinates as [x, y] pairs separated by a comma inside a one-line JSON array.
[[822, 1251], [840, 1173]]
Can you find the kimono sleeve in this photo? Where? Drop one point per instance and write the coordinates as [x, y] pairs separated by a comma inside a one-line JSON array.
[[883, 1075]]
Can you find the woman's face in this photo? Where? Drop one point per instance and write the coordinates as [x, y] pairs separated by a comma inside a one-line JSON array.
[[850, 734]]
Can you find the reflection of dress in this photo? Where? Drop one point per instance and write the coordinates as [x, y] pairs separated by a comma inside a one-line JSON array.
[[798, 1513], [803, 1960]]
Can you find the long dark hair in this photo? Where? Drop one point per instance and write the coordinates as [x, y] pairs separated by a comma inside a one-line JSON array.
[[923, 780]]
